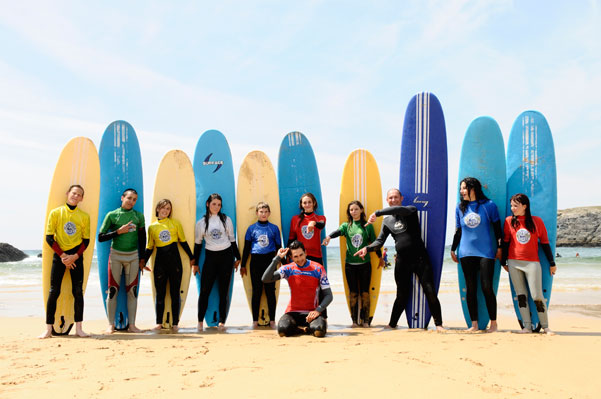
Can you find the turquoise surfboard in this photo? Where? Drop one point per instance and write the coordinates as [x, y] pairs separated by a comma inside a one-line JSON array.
[[297, 175], [531, 170], [423, 182], [214, 173], [120, 169], [483, 157]]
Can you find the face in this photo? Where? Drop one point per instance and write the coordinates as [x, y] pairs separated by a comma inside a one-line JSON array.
[[394, 198], [307, 204], [466, 195], [299, 256], [128, 200], [165, 211], [518, 209], [214, 206], [355, 211], [263, 214], [74, 196]]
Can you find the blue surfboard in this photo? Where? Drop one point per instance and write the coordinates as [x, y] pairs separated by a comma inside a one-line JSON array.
[[424, 184], [531, 170], [483, 157], [120, 168], [297, 175], [214, 173]]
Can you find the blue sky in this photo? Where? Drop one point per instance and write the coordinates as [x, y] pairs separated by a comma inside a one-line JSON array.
[[340, 72]]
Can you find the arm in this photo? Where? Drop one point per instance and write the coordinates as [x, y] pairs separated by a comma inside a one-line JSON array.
[[54, 245], [141, 242], [504, 254], [246, 253], [396, 210], [334, 234], [326, 300], [456, 241], [186, 248], [380, 240], [548, 253], [271, 274]]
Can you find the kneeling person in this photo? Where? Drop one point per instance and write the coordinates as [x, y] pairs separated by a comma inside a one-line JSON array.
[[305, 278]]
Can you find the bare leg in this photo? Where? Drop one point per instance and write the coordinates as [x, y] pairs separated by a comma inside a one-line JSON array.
[[493, 327], [79, 330], [47, 333]]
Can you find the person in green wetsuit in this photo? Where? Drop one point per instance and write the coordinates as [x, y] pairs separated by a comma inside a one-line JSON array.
[[125, 227], [356, 269]]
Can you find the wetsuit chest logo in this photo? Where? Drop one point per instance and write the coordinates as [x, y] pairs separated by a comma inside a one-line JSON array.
[[472, 220], [263, 240], [165, 236], [70, 228], [308, 235], [399, 226], [357, 240], [215, 234], [523, 236]]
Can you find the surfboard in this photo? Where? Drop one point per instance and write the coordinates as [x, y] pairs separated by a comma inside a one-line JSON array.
[[531, 170], [256, 182], [120, 169], [175, 182], [361, 181], [423, 181], [297, 175], [483, 157], [214, 173], [77, 164]]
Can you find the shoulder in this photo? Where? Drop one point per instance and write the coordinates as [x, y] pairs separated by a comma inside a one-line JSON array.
[[82, 213]]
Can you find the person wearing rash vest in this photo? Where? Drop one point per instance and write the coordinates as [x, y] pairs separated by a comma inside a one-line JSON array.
[[306, 279], [357, 270], [125, 227], [164, 234], [261, 242], [473, 217], [68, 234], [306, 227], [522, 233], [221, 256], [411, 256]]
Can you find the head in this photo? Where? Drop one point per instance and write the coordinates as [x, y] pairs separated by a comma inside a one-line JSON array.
[[163, 209], [213, 204], [75, 194], [263, 211], [308, 203], [470, 189], [394, 197], [297, 252], [129, 198], [355, 211], [520, 205]]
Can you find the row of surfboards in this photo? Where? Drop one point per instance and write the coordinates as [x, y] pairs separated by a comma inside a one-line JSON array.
[[423, 181]]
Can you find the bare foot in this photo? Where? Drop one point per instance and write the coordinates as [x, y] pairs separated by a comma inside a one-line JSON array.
[[199, 327], [79, 331], [133, 329], [158, 327], [174, 329], [221, 327], [272, 325], [354, 325], [364, 325], [548, 331], [493, 327], [255, 324], [441, 329], [525, 330], [47, 333], [388, 327], [473, 328], [110, 329]]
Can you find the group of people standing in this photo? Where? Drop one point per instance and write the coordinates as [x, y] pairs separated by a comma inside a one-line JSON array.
[[68, 234]]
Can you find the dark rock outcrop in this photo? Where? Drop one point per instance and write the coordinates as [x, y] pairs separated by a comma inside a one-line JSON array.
[[579, 227], [8, 253]]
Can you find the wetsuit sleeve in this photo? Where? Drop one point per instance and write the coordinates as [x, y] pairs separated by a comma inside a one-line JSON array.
[[396, 210], [504, 252], [54, 245], [102, 237], [245, 252], [278, 239], [186, 248], [496, 226], [326, 300], [236, 250], [548, 253], [456, 239], [336, 233], [379, 242], [271, 273], [147, 254], [371, 237], [320, 225], [292, 235], [84, 244], [141, 241], [197, 252]]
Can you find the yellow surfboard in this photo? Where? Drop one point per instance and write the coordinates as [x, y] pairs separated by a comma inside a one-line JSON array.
[[256, 183], [175, 182], [361, 181], [77, 164]]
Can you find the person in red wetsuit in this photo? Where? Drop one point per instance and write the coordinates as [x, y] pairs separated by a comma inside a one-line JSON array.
[[306, 227]]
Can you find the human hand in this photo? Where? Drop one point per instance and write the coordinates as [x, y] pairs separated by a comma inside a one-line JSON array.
[[362, 252], [236, 264], [326, 241], [505, 267], [195, 270], [126, 228], [243, 271], [454, 257], [553, 270], [143, 266], [282, 252], [314, 314], [311, 227]]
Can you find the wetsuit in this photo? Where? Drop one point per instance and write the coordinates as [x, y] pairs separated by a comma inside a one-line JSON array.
[[357, 270], [165, 234], [67, 231], [411, 257], [477, 251], [126, 251], [220, 251], [520, 253], [261, 242], [305, 284]]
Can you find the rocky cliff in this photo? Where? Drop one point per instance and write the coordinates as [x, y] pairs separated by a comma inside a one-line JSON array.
[[579, 227], [8, 253]]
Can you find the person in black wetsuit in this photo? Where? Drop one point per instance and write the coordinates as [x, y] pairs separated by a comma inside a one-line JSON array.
[[411, 256]]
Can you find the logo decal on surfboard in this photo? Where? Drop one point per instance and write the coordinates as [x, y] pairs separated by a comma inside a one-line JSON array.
[[208, 161]]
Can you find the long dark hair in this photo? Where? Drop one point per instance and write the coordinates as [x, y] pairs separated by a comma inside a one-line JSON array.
[[302, 210], [524, 200], [362, 218], [471, 183], [221, 215]]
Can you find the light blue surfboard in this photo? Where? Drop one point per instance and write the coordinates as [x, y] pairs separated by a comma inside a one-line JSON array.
[[531, 170], [214, 173], [424, 184], [297, 175], [120, 169], [483, 157]]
